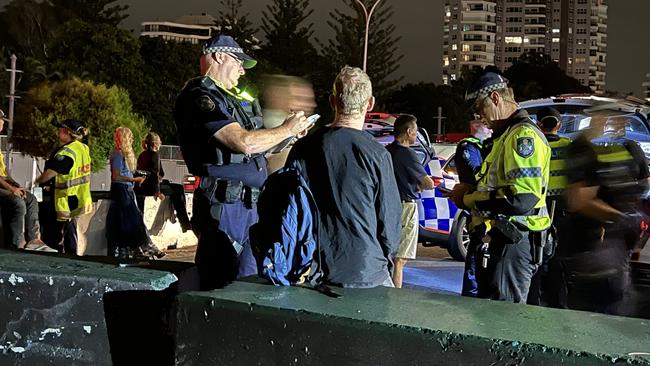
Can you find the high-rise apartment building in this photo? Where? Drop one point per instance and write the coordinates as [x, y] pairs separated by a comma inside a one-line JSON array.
[[572, 32], [469, 36], [189, 28]]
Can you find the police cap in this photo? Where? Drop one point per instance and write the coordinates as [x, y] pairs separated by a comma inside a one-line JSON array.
[[549, 117], [71, 124], [223, 43], [487, 83]]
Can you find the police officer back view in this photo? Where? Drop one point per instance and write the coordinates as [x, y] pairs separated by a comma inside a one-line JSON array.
[[468, 159], [511, 188], [606, 180], [222, 141], [549, 121]]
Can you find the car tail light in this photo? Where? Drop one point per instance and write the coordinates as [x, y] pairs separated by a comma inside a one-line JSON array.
[[190, 183]]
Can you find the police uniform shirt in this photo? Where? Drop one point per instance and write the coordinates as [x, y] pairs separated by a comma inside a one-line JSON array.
[[61, 164], [468, 161], [408, 170], [201, 111], [584, 167], [526, 164]]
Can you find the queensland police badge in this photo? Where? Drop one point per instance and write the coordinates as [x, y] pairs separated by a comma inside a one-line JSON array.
[[525, 147]]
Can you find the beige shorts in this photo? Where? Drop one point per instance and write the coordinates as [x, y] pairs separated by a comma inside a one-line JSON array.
[[408, 244]]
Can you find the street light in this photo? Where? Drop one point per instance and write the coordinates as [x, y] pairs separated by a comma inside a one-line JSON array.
[[368, 15]]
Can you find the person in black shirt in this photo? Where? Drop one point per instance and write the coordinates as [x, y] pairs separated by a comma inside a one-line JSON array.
[[411, 178], [469, 158], [149, 161], [351, 178], [605, 183]]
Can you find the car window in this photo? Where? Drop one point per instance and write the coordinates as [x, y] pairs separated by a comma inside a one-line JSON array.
[[450, 166]]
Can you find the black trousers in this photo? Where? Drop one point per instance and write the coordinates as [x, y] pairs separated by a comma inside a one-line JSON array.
[[176, 194], [510, 268], [60, 235]]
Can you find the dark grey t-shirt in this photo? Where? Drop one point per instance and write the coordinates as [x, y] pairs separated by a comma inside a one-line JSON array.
[[408, 170], [352, 180]]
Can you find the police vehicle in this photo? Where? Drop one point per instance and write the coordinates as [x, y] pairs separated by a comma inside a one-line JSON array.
[[441, 222], [627, 117]]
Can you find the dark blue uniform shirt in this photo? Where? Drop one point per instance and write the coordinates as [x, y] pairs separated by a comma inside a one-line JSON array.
[[202, 109], [468, 161]]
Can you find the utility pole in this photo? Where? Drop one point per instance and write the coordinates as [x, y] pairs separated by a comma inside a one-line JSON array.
[[12, 98], [439, 118]]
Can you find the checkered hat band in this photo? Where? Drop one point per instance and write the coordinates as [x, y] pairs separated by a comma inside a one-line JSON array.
[[486, 90], [222, 49]]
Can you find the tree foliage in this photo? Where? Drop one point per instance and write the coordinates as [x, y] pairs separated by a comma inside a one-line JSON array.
[[288, 37], [423, 99], [346, 48], [238, 26], [167, 66], [100, 52], [101, 108], [535, 76]]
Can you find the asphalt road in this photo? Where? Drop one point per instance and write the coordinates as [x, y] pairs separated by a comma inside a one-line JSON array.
[[432, 270]]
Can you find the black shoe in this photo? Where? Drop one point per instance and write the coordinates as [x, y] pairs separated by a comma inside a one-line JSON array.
[[186, 227], [151, 250]]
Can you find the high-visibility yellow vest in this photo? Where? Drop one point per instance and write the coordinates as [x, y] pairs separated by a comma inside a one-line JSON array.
[[75, 183], [506, 173], [557, 171]]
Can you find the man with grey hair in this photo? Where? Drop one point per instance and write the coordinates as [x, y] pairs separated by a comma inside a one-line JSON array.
[[352, 181]]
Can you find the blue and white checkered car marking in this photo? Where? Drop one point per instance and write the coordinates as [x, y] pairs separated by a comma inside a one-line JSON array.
[[435, 211]]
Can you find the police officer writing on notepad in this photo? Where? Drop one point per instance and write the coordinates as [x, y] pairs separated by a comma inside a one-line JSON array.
[[222, 141], [510, 192]]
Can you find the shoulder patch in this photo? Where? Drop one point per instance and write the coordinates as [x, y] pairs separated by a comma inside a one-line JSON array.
[[59, 157], [525, 146], [205, 103]]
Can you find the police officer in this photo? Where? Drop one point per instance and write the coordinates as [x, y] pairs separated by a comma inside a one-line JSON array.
[[70, 168], [511, 190], [549, 121], [222, 141], [605, 183], [468, 159]]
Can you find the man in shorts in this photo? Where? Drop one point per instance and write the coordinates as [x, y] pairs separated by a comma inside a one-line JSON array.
[[411, 178]]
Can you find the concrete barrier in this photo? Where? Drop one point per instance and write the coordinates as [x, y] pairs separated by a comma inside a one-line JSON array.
[[91, 228], [59, 311], [253, 324]]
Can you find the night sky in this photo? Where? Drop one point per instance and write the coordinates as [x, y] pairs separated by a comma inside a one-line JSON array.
[[419, 22]]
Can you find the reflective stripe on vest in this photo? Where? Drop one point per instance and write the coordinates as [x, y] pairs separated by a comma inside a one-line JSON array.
[[557, 181], [495, 178], [76, 183]]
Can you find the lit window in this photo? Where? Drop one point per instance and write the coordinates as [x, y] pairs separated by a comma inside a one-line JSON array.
[[448, 14], [453, 76], [556, 30], [454, 47], [556, 40], [454, 27], [465, 57], [466, 47], [445, 61], [514, 40]]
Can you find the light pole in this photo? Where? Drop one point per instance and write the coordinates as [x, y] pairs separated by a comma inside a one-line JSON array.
[[368, 15]]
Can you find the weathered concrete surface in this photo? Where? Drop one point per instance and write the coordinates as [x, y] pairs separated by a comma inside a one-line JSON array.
[[251, 324], [52, 309]]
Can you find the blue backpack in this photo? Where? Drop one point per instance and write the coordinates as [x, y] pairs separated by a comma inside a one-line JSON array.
[[285, 239]]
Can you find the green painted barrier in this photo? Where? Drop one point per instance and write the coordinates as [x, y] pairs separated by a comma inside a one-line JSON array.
[[253, 324], [60, 311]]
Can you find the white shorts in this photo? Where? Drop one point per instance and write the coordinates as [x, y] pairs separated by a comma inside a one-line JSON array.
[[409, 240]]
